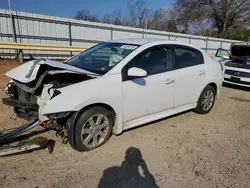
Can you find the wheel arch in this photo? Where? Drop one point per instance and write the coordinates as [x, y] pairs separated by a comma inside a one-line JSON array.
[[106, 106], [214, 85], [72, 121], [198, 108]]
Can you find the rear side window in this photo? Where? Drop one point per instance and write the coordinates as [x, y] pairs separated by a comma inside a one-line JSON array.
[[187, 57]]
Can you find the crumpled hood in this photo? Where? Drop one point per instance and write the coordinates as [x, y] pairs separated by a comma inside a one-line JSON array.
[[27, 72]]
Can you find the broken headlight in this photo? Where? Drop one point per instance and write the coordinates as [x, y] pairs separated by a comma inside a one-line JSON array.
[[11, 90]]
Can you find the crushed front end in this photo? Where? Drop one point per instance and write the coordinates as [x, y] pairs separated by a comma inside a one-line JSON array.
[[35, 83], [32, 86], [24, 103]]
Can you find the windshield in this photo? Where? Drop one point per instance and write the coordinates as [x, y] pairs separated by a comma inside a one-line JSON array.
[[102, 57]]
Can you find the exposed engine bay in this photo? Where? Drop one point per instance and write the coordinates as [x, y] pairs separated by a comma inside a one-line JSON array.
[[240, 53], [30, 95], [239, 63]]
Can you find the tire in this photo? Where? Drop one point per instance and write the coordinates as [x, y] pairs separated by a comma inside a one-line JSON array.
[[93, 128], [208, 94]]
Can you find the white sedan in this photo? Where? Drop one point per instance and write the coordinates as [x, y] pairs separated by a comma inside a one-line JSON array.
[[115, 86]]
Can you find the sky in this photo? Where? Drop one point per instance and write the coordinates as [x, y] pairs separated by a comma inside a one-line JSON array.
[[68, 8]]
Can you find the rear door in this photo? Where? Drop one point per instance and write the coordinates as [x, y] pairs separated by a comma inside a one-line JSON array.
[[190, 74]]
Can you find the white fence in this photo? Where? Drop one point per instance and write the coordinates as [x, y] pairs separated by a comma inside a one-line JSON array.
[[41, 29]]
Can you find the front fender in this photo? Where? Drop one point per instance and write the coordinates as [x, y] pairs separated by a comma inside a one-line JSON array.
[[77, 96], [64, 103]]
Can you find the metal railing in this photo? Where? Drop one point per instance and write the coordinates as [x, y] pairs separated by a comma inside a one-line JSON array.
[[42, 29], [21, 46]]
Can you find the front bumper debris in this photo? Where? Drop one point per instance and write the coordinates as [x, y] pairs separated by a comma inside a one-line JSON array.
[[36, 143], [19, 104], [25, 110], [15, 134]]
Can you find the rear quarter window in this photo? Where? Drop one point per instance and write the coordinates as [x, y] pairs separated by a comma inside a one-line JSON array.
[[187, 57]]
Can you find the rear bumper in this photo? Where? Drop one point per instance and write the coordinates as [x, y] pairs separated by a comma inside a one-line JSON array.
[[25, 110]]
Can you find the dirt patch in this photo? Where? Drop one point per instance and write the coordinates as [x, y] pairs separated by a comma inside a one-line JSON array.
[[240, 99], [188, 150], [6, 65]]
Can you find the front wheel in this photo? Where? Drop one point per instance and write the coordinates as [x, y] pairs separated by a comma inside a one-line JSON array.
[[206, 100], [93, 128]]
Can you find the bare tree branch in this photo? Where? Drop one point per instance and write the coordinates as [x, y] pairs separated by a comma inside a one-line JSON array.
[[85, 15], [224, 14]]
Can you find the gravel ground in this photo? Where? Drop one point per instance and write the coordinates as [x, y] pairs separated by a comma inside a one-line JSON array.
[[187, 150], [6, 65]]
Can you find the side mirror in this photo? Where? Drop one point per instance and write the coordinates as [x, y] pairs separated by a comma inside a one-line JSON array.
[[225, 57], [135, 72]]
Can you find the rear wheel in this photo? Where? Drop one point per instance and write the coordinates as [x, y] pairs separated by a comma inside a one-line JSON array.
[[206, 100], [93, 128]]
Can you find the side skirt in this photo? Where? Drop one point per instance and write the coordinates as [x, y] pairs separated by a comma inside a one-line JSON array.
[[160, 115]]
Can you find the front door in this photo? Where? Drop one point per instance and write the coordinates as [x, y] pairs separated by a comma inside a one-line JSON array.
[[154, 93]]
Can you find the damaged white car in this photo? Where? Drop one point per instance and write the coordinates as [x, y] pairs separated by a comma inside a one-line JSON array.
[[114, 86], [236, 64]]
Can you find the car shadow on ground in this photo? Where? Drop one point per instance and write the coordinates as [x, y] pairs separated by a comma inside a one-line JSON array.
[[133, 172]]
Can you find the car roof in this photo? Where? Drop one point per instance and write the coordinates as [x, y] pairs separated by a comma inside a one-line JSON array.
[[143, 41], [135, 41]]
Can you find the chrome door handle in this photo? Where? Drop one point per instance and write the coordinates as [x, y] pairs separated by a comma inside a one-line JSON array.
[[169, 81], [202, 72]]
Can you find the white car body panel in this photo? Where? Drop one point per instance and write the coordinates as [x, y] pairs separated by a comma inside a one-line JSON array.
[[95, 91], [135, 102], [195, 74], [157, 116], [147, 96]]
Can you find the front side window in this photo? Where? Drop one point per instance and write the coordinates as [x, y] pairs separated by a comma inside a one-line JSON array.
[[187, 57], [102, 57], [154, 61]]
